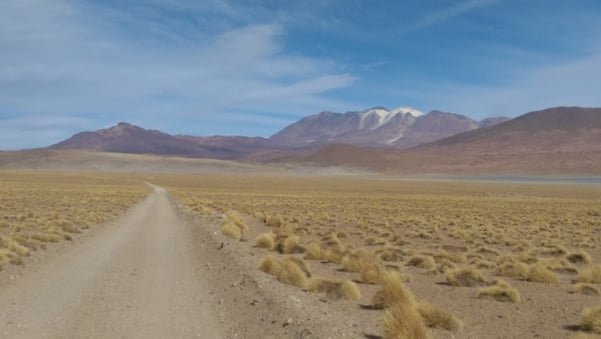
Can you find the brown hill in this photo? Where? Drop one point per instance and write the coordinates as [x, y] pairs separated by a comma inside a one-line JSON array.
[[376, 127], [127, 138], [562, 140], [560, 129]]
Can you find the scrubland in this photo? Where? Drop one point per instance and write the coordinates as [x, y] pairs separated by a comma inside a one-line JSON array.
[[37, 208], [420, 259]]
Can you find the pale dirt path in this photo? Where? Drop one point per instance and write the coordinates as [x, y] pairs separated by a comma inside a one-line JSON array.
[[137, 278]]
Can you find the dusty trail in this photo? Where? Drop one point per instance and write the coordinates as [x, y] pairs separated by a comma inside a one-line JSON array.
[[136, 278]]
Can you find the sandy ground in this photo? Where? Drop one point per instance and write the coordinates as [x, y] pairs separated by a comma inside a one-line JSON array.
[[156, 272], [160, 272], [134, 279]]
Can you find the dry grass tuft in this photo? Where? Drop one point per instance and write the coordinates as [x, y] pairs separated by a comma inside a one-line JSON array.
[[403, 321], [291, 245], [590, 275], [579, 257], [591, 319], [392, 291], [313, 251], [271, 265], [465, 277], [290, 271], [350, 290], [586, 289], [437, 318], [46, 237], [541, 274], [230, 229], [422, 261], [301, 264], [335, 289], [274, 221], [501, 291], [512, 269], [266, 240]]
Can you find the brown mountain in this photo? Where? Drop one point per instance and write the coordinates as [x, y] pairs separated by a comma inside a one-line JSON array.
[[377, 127], [400, 128], [560, 129], [127, 138], [562, 140]]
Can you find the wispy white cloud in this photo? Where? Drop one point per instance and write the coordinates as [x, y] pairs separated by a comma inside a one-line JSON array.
[[59, 59], [459, 8]]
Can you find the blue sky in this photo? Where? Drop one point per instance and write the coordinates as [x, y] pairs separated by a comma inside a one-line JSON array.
[[250, 67]]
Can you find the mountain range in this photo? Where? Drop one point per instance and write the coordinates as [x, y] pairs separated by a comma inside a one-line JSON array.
[[560, 140], [403, 127], [376, 127]]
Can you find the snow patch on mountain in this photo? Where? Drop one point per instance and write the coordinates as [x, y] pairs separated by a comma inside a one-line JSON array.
[[379, 116]]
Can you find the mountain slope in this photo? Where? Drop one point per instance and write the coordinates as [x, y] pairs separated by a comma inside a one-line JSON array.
[[559, 129], [562, 140], [401, 128], [127, 138]]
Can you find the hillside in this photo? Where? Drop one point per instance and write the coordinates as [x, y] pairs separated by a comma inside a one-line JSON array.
[[562, 140]]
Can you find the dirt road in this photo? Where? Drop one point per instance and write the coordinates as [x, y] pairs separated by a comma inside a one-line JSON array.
[[137, 278]]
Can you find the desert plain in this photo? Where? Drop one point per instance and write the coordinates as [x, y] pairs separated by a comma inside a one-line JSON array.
[[267, 252]]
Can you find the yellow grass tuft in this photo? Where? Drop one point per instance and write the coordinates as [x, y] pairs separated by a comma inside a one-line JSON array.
[[265, 240], [335, 255], [371, 275], [313, 251], [335, 289], [422, 261], [271, 265], [392, 291], [274, 221], [68, 226], [586, 289], [501, 291], [590, 275], [541, 274], [350, 290], [579, 257], [301, 264], [437, 318], [290, 271], [13, 246], [465, 277], [234, 226], [46, 237], [293, 274], [230, 229], [512, 269], [403, 321], [290, 245], [591, 319]]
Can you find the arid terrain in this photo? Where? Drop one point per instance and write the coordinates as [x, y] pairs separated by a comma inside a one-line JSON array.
[[285, 255]]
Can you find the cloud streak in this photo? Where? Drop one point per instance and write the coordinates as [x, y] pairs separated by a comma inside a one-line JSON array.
[[458, 9], [58, 60]]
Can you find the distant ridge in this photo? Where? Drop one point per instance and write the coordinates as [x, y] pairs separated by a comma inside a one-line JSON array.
[[561, 140], [403, 127], [128, 138], [559, 129], [376, 127]]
